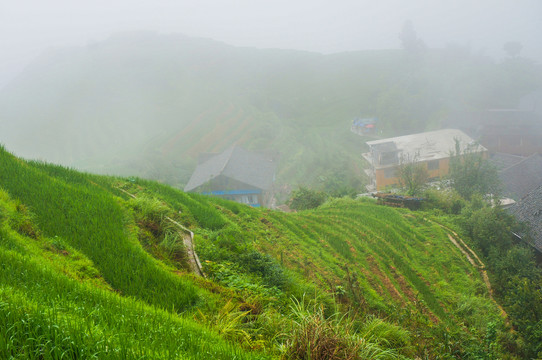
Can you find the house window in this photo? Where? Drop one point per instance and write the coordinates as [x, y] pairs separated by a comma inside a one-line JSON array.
[[244, 199], [390, 173], [433, 165], [388, 158]]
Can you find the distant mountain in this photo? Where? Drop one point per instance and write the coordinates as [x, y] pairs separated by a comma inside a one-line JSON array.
[[146, 104]]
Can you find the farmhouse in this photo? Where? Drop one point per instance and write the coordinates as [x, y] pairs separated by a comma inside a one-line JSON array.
[[235, 174], [433, 149], [510, 131]]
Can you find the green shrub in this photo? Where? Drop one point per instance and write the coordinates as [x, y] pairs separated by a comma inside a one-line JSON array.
[[266, 267], [448, 201], [304, 198]]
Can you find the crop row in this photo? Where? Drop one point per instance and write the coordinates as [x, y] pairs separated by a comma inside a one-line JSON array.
[[95, 224], [45, 315]]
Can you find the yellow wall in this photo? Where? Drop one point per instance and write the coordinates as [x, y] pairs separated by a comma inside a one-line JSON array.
[[382, 182]]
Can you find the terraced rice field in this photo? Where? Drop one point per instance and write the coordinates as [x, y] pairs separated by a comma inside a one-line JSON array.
[[399, 259]]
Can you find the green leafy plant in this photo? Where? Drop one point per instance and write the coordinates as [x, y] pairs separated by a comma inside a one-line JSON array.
[[304, 198], [471, 173], [412, 174]]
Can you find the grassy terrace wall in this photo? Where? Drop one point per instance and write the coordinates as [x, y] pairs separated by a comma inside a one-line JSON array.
[[55, 305], [76, 280], [68, 205], [393, 263], [399, 258]]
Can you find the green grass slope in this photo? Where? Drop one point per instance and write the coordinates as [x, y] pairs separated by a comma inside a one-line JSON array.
[[87, 271], [88, 218], [74, 288]]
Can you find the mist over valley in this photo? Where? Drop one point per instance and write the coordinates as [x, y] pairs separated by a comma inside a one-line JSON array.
[[146, 104], [270, 180]]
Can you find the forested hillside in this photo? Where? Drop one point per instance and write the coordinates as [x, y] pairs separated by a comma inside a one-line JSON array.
[[146, 104], [92, 267]]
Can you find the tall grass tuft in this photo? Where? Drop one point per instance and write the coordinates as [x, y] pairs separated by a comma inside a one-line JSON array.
[[318, 337]]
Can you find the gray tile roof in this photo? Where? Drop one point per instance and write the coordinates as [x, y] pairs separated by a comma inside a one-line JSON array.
[[529, 211], [502, 161], [523, 177], [235, 163]]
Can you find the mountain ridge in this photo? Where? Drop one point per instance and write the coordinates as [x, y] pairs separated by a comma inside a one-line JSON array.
[[113, 105]]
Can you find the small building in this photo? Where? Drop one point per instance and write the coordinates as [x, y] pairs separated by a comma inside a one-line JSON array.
[[235, 174], [432, 148], [510, 131], [364, 126]]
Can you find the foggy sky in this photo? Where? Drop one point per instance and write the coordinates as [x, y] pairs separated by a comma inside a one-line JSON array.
[[28, 27]]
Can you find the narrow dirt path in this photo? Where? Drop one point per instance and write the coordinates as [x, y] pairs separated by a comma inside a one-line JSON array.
[[188, 241], [463, 244], [483, 272], [474, 261]]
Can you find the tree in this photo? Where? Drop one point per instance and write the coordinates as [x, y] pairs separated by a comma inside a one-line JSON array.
[[490, 228], [304, 198], [412, 174], [409, 39], [339, 181], [471, 173], [516, 280]]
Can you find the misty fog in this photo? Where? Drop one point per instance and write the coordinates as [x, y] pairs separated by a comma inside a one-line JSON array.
[[142, 89], [27, 28], [355, 175]]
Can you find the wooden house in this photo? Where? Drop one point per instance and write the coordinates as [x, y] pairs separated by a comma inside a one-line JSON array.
[[432, 149], [235, 174]]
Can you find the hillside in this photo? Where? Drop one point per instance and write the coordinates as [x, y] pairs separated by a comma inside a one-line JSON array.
[[93, 268], [147, 104]]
